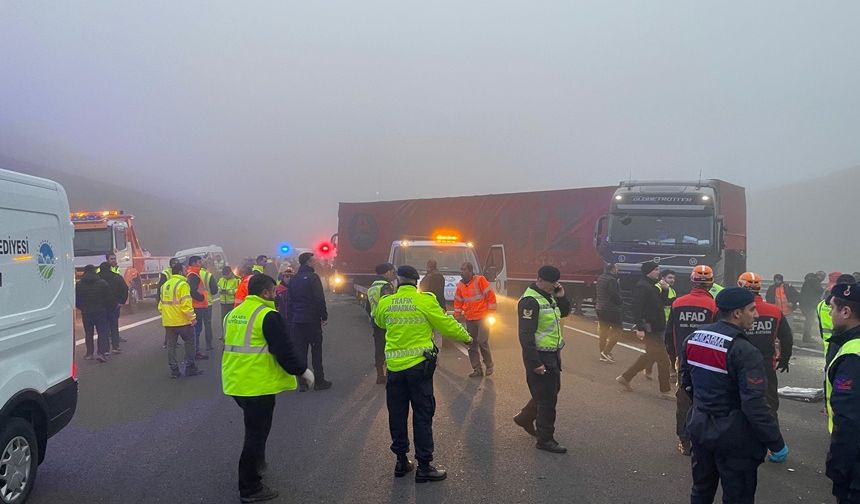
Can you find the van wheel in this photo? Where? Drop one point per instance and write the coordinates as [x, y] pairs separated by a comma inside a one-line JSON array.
[[19, 454]]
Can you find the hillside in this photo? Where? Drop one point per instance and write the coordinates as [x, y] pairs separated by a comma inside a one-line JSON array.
[[796, 228]]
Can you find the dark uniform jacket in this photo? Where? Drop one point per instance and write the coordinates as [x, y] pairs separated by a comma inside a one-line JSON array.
[[528, 313], [725, 374], [843, 459], [434, 282], [306, 303], [92, 294], [608, 294], [281, 346], [118, 288], [649, 314], [769, 327], [688, 314]]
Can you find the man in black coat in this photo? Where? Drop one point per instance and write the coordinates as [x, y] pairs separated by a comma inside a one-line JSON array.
[[307, 312], [92, 297], [609, 313], [119, 295], [650, 316]]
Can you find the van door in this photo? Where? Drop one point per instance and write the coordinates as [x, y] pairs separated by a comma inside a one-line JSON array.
[[496, 270], [122, 246]]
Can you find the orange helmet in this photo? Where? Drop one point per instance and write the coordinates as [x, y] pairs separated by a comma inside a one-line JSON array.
[[750, 281], [702, 274]]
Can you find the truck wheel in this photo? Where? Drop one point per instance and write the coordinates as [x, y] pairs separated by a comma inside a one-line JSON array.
[[19, 454]]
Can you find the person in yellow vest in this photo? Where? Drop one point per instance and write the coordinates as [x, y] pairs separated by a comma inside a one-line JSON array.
[[178, 319], [540, 311], [382, 286], [227, 286], [408, 318], [165, 275], [825, 325], [259, 362], [843, 393], [260, 264]]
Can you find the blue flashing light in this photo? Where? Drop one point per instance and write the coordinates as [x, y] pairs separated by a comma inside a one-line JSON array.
[[285, 248]]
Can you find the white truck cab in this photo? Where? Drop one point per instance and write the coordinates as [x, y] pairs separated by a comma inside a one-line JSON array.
[[38, 379], [448, 253]]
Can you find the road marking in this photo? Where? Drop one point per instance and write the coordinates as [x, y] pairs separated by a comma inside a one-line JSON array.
[[129, 326], [625, 345]]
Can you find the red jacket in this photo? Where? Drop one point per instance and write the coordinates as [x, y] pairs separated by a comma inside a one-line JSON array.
[[770, 327], [688, 314], [474, 299], [242, 291]]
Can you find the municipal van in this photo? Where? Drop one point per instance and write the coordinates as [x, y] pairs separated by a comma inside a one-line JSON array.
[[38, 378], [213, 257]]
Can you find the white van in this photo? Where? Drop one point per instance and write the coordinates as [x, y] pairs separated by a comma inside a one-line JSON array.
[[212, 255], [38, 378]]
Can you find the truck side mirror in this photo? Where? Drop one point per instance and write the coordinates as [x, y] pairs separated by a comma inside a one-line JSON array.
[[721, 232]]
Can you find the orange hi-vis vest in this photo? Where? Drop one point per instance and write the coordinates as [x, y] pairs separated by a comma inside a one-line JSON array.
[[242, 291], [474, 299], [202, 288]]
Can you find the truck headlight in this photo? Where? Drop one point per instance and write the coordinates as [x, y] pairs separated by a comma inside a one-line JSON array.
[[491, 320]]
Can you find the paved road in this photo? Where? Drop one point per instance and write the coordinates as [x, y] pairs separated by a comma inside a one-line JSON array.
[[139, 437]]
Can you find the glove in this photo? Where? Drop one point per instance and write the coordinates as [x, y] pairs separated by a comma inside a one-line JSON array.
[[782, 366], [308, 377], [780, 456]]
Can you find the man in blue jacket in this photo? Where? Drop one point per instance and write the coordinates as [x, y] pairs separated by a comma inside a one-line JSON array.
[[307, 313]]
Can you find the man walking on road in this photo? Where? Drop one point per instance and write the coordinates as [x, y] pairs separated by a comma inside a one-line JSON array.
[[730, 426], [92, 297], [475, 301], [540, 311], [259, 362], [119, 295], [688, 314], [307, 312], [609, 312], [382, 286], [178, 318], [650, 320], [409, 317], [200, 300]]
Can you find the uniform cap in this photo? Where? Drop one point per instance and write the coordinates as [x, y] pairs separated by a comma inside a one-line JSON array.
[[409, 272], [648, 267], [549, 273], [848, 292], [733, 298]]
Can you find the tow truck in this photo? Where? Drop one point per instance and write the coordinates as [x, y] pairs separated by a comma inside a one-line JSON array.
[[98, 233]]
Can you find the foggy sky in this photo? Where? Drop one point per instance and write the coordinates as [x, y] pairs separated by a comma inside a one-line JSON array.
[[306, 104]]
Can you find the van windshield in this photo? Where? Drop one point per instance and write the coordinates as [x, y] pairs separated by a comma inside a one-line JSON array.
[[92, 242], [448, 259]]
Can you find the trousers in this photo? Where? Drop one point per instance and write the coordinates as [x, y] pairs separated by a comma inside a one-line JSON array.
[[113, 325], [96, 321], [771, 395], [739, 477], [683, 403], [171, 337], [479, 330], [541, 407], [655, 351], [257, 412], [204, 318], [310, 336], [609, 328], [378, 346], [403, 389]]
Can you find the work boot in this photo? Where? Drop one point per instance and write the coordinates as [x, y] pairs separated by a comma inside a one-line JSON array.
[[427, 472], [624, 383], [380, 375], [489, 371], [685, 448], [551, 446], [403, 466], [322, 384], [303, 386], [526, 424], [175, 373], [116, 350], [263, 494], [193, 371], [477, 373]]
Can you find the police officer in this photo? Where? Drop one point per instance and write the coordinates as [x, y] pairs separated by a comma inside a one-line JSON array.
[[540, 311], [825, 325], [688, 314], [730, 426], [382, 286], [409, 317], [843, 397], [769, 327], [259, 362]]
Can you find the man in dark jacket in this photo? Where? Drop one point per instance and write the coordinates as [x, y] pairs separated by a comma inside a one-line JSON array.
[[307, 312], [650, 317], [730, 426], [119, 295], [92, 297], [783, 295], [810, 295], [434, 282], [608, 308]]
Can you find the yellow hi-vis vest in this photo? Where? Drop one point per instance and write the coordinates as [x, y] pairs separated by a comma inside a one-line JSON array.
[[247, 367], [548, 336], [175, 302], [227, 289], [715, 289], [409, 317], [374, 292], [258, 269], [850, 347], [825, 323], [671, 296], [206, 277]]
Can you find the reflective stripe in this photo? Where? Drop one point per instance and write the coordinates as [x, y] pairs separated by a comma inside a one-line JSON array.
[[407, 352], [176, 301], [246, 350], [486, 291], [405, 320], [249, 330], [476, 297], [457, 298]]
